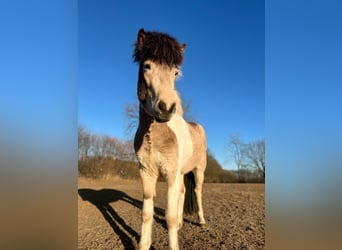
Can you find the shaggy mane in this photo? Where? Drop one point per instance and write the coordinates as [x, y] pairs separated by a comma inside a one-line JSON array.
[[158, 47]]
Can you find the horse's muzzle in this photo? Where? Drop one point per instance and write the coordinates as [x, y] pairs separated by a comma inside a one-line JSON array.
[[162, 113]]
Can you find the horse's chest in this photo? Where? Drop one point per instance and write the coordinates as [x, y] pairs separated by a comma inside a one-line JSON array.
[[166, 145], [181, 130]]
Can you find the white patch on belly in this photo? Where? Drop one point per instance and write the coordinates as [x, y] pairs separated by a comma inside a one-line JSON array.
[[180, 127]]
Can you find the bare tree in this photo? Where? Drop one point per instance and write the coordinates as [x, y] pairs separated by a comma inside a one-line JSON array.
[[255, 156], [128, 153], [131, 114], [94, 146], [235, 150], [109, 145], [84, 142], [247, 156]]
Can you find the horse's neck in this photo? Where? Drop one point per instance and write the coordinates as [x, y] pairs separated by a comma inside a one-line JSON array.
[[145, 120], [179, 108]]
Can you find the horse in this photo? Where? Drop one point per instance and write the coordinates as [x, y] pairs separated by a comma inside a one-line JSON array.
[[165, 144]]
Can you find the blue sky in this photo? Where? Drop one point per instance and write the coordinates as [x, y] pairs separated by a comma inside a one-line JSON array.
[[223, 70]]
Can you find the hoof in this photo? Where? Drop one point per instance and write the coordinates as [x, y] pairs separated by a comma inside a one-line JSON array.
[[203, 225]]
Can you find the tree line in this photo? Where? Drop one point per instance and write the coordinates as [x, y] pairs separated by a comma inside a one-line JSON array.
[[92, 145], [104, 156]]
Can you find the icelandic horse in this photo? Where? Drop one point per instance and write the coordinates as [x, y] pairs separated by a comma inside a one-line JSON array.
[[165, 144]]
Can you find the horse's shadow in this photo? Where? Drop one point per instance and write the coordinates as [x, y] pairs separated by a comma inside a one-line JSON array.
[[102, 199]]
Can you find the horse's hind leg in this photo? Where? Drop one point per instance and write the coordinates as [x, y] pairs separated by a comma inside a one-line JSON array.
[[199, 176], [149, 186]]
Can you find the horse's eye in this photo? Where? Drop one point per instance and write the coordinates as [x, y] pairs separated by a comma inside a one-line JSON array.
[[147, 67]]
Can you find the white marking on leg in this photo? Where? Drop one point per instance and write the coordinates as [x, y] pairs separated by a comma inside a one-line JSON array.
[[181, 202], [149, 184], [172, 212], [146, 228]]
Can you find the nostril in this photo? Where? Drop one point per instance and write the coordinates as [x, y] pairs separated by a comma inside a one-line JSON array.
[[162, 106]]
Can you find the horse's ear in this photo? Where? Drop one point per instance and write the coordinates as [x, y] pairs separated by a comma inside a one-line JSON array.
[[182, 47], [141, 38]]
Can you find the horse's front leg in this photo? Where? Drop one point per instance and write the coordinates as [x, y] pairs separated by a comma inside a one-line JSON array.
[[181, 202], [149, 185], [172, 210]]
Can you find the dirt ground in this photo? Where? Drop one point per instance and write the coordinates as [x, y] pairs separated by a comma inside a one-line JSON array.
[[109, 216]]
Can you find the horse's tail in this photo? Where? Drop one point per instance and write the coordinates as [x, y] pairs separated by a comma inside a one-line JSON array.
[[190, 202]]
